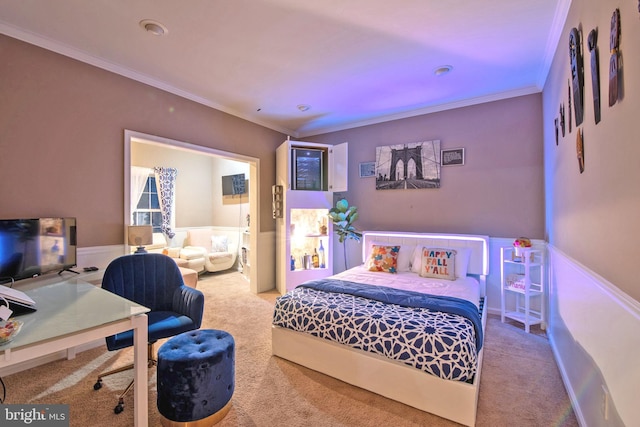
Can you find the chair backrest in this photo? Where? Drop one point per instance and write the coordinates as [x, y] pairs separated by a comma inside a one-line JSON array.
[[149, 279]]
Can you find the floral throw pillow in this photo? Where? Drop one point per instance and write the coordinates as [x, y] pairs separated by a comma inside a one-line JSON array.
[[383, 258], [438, 263]]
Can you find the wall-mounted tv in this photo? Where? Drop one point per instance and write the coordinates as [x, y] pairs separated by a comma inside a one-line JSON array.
[[35, 246], [233, 184]]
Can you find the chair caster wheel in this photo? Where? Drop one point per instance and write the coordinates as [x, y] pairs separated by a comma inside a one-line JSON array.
[[119, 408], [97, 385]]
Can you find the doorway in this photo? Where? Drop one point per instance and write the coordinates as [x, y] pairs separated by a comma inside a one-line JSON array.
[[132, 138]]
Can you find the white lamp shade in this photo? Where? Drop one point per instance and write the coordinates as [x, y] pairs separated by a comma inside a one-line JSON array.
[[140, 235]]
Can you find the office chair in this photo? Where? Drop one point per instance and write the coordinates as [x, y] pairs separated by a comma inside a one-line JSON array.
[[152, 280]]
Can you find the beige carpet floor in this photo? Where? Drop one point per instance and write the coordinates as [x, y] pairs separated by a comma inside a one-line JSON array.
[[520, 384]]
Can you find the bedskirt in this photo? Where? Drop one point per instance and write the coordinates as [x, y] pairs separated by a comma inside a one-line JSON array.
[[439, 343]]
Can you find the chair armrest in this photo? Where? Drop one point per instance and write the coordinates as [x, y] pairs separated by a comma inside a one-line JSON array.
[[189, 302]]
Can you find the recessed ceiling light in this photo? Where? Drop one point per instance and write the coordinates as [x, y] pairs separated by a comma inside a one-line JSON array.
[[153, 27], [303, 107], [443, 69]]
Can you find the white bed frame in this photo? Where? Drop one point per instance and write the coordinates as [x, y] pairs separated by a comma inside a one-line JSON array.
[[453, 400]]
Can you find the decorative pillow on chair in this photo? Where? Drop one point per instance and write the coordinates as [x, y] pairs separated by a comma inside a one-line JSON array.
[[383, 258], [438, 263], [219, 244]]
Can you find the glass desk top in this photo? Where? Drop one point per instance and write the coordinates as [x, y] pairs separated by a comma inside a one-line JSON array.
[[68, 306]]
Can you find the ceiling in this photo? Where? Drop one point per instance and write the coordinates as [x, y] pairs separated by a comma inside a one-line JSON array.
[[352, 62]]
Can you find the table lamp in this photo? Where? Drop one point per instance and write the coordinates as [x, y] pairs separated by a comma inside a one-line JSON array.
[[140, 235]]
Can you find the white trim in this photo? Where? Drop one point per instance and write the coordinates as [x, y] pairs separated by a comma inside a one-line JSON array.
[[593, 332], [82, 56], [254, 193], [310, 130]]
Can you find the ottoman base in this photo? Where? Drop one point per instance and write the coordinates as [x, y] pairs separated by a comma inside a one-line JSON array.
[[205, 422]]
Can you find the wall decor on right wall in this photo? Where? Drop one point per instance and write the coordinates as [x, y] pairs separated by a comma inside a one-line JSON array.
[[592, 41], [569, 92], [614, 45], [580, 149], [577, 75]]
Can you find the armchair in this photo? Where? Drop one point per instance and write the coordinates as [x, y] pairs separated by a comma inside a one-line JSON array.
[[154, 281], [218, 247]]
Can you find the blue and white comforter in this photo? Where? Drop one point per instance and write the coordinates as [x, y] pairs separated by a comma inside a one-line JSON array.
[[438, 335]]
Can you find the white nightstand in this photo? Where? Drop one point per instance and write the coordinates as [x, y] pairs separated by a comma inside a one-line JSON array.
[[523, 286]]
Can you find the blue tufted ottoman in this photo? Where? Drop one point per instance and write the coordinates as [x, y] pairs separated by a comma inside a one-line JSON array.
[[196, 378]]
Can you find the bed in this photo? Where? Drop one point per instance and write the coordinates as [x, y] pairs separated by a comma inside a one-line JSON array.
[[368, 336]]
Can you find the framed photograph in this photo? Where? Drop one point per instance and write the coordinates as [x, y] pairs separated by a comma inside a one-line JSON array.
[[367, 169], [408, 166], [452, 157]]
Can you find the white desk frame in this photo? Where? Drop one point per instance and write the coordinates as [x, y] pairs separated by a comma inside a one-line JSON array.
[[72, 312]]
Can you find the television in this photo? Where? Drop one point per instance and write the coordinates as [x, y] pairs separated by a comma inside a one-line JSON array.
[[35, 246], [233, 184]]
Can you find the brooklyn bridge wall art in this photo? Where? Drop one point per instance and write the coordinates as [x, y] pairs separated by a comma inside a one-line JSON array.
[[408, 166]]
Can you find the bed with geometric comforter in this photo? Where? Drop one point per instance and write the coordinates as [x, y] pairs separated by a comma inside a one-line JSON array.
[[414, 339], [439, 335]]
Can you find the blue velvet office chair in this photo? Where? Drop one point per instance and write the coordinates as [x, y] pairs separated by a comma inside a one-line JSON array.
[[152, 280]]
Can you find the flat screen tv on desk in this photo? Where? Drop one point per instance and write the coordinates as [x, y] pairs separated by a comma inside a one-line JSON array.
[[35, 246]]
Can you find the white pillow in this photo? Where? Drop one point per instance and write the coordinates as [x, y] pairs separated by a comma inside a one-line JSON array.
[[462, 261], [404, 257], [219, 244], [463, 256], [404, 254]]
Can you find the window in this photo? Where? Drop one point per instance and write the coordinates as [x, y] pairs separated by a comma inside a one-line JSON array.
[[148, 209]]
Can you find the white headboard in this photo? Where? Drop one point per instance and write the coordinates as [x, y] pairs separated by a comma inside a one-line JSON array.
[[479, 245]]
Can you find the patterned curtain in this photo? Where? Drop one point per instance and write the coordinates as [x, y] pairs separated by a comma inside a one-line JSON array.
[[166, 182]]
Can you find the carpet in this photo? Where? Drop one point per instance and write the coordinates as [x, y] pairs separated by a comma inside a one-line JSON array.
[[520, 384]]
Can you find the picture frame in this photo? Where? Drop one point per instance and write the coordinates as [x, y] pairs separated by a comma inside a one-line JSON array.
[[367, 169], [409, 166], [452, 157]]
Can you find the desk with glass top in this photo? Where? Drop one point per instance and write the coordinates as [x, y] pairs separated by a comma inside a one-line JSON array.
[[72, 312]]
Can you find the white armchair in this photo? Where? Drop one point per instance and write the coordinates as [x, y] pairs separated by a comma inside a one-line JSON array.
[[218, 247], [192, 259]]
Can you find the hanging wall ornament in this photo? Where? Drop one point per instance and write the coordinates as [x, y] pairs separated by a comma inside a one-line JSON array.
[[614, 44], [580, 150], [577, 74], [555, 122], [562, 119], [595, 73], [569, 87]]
